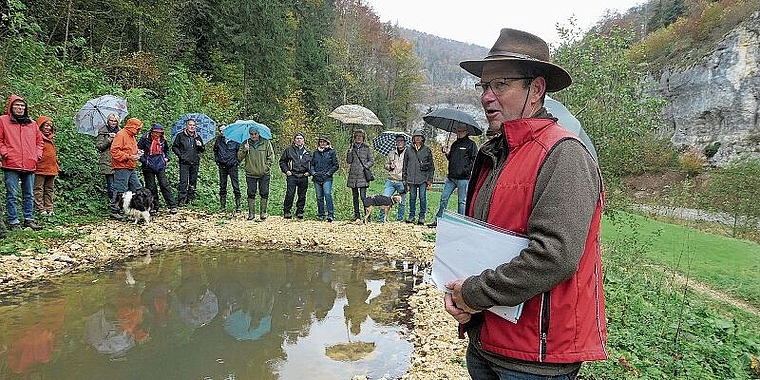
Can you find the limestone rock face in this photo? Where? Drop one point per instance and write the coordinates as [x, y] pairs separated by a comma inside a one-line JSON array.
[[717, 99]]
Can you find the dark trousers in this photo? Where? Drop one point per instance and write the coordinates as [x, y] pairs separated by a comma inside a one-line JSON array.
[[188, 180], [260, 183], [232, 173], [299, 184], [357, 192], [150, 182], [109, 186]]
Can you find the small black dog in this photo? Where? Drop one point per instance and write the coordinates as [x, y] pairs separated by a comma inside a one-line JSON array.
[[138, 204]]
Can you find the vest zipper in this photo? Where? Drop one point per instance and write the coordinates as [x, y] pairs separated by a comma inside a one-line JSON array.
[[544, 327]]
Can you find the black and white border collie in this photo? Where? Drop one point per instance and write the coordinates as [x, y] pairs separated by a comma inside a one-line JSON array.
[[138, 204]]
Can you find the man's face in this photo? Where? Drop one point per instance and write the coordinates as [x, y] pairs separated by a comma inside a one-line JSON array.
[[191, 126], [18, 108], [323, 143], [461, 131], [298, 140], [400, 143], [417, 140], [508, 103], [254, 135]]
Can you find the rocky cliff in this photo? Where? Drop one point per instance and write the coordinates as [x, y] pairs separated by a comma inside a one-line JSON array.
[[717, 99]]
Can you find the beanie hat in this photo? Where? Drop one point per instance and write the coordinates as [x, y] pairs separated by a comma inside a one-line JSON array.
[[299, 134], [157, 128], [323, 138]]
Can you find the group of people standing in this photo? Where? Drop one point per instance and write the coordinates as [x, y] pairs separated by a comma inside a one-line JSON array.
[[29, 160]]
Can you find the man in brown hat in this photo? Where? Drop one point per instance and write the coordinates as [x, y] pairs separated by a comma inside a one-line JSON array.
[[534, 178]]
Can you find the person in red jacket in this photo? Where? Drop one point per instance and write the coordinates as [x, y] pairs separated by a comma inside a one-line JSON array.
[[47, 169], [124, 156], [20, 147], [534, 178]]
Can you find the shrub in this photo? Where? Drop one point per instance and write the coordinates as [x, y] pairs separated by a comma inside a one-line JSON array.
[[692, 162]]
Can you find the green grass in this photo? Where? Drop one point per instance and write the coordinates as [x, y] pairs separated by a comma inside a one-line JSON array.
[[726, 264]]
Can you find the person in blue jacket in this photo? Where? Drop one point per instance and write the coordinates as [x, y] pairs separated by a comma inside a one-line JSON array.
[[324, 163], [155, 155], [225, 155]]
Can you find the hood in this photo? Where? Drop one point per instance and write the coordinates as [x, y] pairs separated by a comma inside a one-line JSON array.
[[12, 99], [42, 120], [133, 126]]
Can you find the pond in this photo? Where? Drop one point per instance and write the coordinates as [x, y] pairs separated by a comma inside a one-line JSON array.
[[213, 314]]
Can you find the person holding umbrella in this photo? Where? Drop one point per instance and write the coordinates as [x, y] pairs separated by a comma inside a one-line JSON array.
[[257, 156], [359, 157], [103, 141], [418, 175], [395, 181], [295, 162], [21, 145], [154, 162], [535, 178], [461, 155], [324, 163], [225, 155], [188, 147]]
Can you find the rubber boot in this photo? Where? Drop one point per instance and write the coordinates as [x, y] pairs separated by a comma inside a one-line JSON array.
[[222, 203], [251, 208], [237, 203], [263, 214], [114, 207]]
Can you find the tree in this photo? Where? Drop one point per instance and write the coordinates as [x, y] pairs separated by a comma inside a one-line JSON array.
[[733, 190]]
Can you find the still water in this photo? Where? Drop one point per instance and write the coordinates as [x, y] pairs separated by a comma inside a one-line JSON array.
[[212, 314]]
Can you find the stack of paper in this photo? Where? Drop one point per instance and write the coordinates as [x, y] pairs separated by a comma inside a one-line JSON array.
[[466, 246]]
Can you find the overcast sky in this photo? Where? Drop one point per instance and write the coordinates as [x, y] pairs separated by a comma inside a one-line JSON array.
[[479, 21]]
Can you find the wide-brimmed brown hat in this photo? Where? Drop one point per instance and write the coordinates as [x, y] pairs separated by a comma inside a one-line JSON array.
[[525, 49]]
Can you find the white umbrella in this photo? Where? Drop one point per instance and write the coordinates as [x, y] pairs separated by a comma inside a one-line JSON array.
[[355, 114]]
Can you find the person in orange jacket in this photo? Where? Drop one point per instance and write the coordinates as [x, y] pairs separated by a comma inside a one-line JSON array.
[[47, 168], [20, 147], [124, 157]]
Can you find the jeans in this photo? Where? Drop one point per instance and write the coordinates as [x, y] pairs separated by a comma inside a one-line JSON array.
[[392, 187], [12, 178], [44, 186], [109, 186], [123, 180], [480, 368], [414, 190], [295, 183], [448, 189], [262, 183], [188, 180], [324, 196], [232, 173], [356, 193], [163, 182]]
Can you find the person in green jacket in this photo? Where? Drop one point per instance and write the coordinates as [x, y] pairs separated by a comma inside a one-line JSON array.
[[256, 155]]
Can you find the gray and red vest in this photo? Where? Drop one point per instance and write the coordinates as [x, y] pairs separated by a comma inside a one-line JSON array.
[[566, 324]]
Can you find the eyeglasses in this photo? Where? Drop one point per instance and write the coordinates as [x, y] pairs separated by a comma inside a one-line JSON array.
[[498, 85]]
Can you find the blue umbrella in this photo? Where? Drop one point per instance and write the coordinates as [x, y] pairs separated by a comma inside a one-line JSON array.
[[240, 130], [238, 325], [569, 122], [94, 113], [206, 126]]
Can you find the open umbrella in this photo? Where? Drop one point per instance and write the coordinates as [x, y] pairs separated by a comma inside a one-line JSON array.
[[199, 313], [448, 118], [206, 126], [94, 113], [238, 325], [569, 122], [385, 142], [355, 114], [240, 130]]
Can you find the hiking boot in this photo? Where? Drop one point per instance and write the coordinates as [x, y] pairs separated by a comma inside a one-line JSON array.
[[433, 225], [15, 226], [173, 210], [299, 216], [31, 224], [411, 221], [329, 219], [117, 216], [288, 215], [420, 222]]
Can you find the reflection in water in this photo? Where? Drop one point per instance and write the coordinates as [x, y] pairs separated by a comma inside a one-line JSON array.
[[212, 315]]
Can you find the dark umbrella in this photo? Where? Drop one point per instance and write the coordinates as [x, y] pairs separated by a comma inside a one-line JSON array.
[[94, 113], [385, 142], [205, 126], [448, 118]]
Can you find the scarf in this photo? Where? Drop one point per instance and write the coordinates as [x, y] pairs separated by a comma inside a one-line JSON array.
[[155, 145]]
